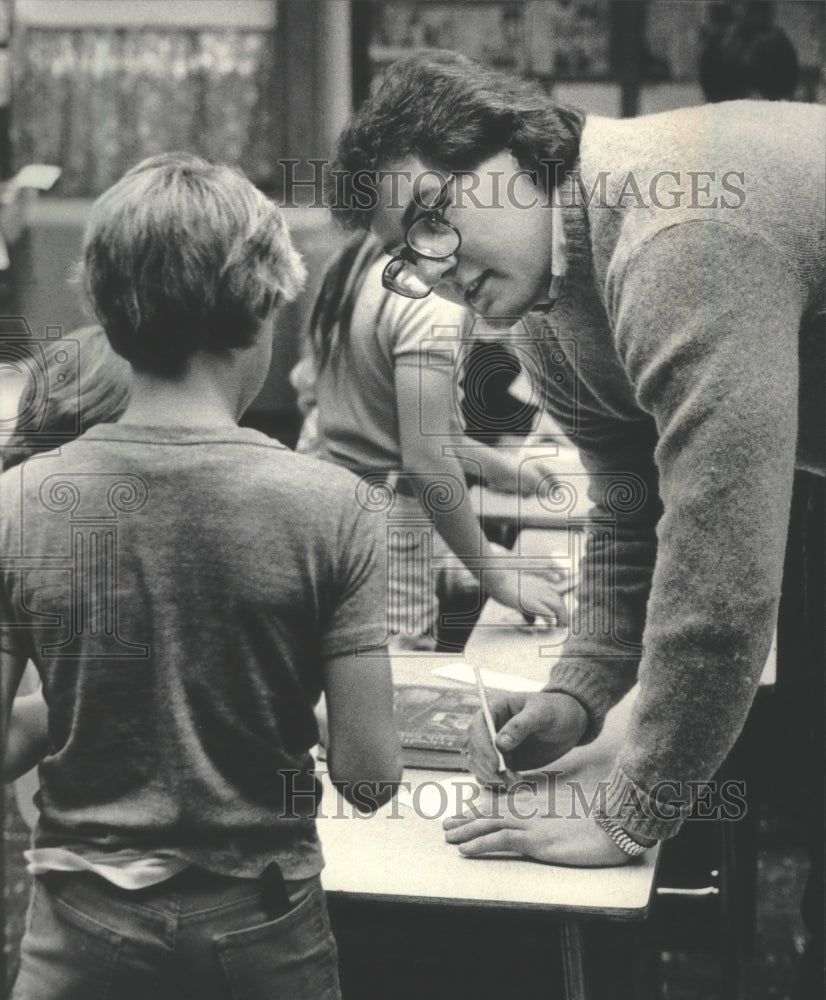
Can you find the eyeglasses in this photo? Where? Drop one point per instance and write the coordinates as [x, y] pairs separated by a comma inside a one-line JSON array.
[[430, 236]]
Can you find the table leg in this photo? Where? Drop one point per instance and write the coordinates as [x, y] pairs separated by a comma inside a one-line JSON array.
[[573, 960]]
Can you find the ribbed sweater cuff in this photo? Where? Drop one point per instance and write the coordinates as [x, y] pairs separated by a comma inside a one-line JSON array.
[[588, 689], [638, 812]]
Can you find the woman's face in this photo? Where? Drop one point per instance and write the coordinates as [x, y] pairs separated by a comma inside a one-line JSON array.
[[503, 265]]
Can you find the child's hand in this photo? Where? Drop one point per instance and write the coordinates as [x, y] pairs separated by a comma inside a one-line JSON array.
[[529, 593], [534, 472]]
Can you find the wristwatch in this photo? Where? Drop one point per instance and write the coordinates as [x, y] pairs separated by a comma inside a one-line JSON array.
[[625, 843]]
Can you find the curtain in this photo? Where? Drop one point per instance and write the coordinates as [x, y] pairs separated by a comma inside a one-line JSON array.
[[96, 101]]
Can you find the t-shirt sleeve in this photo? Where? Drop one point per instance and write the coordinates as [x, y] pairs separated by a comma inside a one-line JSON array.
[[358, 619], [11, 637], [425, 330], [11, 634]]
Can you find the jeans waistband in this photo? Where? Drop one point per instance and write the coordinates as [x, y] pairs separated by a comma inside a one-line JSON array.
[[191, 889]]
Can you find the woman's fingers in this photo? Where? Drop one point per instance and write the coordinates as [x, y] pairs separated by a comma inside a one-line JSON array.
[[493, 834], [479, 827], [494, 843], [482, 759], [561, 841]]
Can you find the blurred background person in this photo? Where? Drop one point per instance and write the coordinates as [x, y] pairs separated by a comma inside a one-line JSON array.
[[371, 376], [61, 393], [65, 392], [747, 57]]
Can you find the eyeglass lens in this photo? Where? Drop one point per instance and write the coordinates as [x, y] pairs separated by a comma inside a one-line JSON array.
[[401, 277], [432, 237]]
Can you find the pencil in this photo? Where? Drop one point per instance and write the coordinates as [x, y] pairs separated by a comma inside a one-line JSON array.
[[483, 698]]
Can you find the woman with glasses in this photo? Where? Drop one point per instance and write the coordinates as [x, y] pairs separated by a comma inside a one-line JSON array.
[[677, 262], [384, 370]]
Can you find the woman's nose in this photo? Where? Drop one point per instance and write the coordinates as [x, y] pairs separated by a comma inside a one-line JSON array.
[[433, 271]]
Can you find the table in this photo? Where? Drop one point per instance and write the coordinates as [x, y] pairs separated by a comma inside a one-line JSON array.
[[399, 855], [501, 642]]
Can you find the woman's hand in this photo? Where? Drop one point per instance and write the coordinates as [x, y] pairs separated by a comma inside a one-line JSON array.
[[532, 731], [535, 826]]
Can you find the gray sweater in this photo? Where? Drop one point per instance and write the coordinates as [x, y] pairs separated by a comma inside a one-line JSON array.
[[693, 328]]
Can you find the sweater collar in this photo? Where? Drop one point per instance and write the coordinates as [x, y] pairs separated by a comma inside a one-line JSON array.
[[570, 245]]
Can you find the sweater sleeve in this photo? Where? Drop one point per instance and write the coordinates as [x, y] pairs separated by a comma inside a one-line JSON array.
[[598, 664], [706, 320]]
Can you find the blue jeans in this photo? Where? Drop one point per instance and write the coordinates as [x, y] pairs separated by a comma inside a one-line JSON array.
[[196, 935]]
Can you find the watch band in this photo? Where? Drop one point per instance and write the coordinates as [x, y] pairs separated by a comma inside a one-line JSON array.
[[625, 843]]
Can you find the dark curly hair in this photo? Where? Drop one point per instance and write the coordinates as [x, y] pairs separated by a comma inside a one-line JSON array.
[[454, 114], [748, 60]]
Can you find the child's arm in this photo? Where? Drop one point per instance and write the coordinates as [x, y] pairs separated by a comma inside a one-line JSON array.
[[27, 737], [363, 753], [422, 391], [507, 468], [22, 731]]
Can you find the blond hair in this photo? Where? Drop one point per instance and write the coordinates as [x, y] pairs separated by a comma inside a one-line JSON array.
[[182, 255]]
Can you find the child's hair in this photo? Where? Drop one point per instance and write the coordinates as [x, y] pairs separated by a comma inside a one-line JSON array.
[[332, 312], [181, 256], [81, 387]]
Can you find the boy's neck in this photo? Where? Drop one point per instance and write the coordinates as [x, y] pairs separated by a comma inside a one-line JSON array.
[[202, 396]]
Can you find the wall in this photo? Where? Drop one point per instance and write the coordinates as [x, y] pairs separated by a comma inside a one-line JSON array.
[[251, 14], [600, 55], [100, 84]]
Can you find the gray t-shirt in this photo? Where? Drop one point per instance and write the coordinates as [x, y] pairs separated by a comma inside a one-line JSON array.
[[358, 423], [179, 590]]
